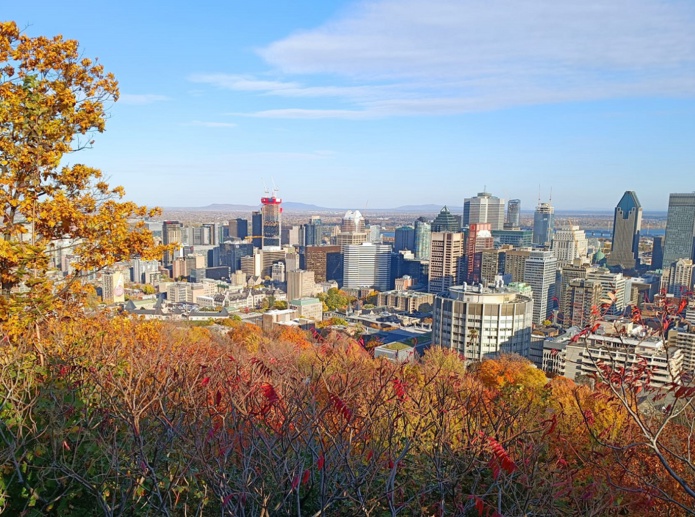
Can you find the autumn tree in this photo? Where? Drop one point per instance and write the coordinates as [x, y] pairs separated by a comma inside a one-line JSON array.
[[52, 102]]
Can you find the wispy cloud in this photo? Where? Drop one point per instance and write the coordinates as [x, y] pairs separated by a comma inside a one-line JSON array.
[[201, 123], [139, 99], [402, 57]]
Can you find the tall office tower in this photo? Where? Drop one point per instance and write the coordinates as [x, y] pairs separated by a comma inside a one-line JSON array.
[[140, 268], [352, 222], [680, 228], [543, 224], [292, 261], [325, 261], [312, 231], [484, 208], [445, 222], [212, 233], [680, 278], [272, 220], [300, 284], [482, 323], [232, 252], [423, 238], [479, 239], [238, 228], [627, 223], [367, 265], [404, 239], [515, 264], [580, 296], [445, 259], [113, 286], [569, 272], [257, 229], [491, 264], [513, 214], [612, 287], [196, 261], [171, 234], [292, 235], [658, 253], [569, 244], [539, 273]]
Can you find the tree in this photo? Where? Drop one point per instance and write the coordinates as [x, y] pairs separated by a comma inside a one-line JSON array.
[[52, 101]]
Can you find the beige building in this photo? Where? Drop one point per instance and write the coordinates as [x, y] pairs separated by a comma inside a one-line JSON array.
[[309, 308], [445, 260], [514, 264], [581, 295], [407, 301], [113, 286], [300, 284]]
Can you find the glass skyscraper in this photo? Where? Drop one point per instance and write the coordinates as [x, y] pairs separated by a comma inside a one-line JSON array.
[[680, 228]]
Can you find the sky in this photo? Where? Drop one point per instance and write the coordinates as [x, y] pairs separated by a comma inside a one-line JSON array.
[[384, 103]]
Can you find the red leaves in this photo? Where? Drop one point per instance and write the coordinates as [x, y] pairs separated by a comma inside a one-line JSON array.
[[553, 425], [269, 393], [589, 417], [399, 388], [501, 455], [479, 504], [303, 479], [320, 462], [205, 381], [262, 368], [342, 408]]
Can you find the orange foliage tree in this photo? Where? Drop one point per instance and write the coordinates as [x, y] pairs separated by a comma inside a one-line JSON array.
[[52, 101]]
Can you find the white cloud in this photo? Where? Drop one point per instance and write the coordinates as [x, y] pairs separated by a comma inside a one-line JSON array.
[[399, 57], [139, 99]]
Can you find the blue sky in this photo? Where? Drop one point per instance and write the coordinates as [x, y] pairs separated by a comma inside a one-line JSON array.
[[390, 102]]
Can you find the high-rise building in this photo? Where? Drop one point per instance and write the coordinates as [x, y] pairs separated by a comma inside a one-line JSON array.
[[171, 234], [482, 323], [569, 244], [515, 264], [513, 214], [680, 228], [658, 253], [113, 286], [238, 228], [367, 265], [627, 223], [514, 237], [312, 231], [680, 277], [479, 238], [271, 211], [539, 273], [569, 272], [352, 222], [325, 261], [543, 224], [484, 208], [491, 264], [580, 297], [445, 259], [423, 238], [257, 229], [445, 222], [404, 239], [232, 252], [612, 288], [300, 284]]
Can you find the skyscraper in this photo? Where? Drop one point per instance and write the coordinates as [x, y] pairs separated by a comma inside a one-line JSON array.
[[479, 239], [404, 239], [367, 265], [680, 228], [445, 222], [171, 234], [257, 229], [484, 208], [445, 259], [513, 214], [543, 224], [568, 244], [423, 238], [658, 252], [539, 273], [312, 231], [238, 228], [272, 220], [680, 278], [627, 223], [580, 296]]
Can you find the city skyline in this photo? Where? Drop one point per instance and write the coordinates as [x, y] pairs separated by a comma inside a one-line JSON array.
[[318, 98]]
